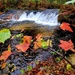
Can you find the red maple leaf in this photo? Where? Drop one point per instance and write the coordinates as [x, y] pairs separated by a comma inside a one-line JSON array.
[[22, 47], [65, 26], [25, 45], [66, 45], [6, 54]]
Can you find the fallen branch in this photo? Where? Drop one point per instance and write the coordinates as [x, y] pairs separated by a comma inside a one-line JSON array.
[[62, 56]]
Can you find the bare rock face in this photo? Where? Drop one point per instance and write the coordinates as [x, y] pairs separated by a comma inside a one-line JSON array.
[[67, 14]]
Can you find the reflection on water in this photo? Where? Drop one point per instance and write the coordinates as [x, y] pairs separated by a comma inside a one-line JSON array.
[[33, 27]]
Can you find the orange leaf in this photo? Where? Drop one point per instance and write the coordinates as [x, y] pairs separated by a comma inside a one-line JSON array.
[[65, 26], [66, 45], [5, 54], [41, 72], [25, 45], [38, 37], [38, 42], [27, 39], [37, 45], [3, 65]]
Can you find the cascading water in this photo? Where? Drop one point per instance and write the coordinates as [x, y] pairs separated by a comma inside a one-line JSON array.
[[47, 17]]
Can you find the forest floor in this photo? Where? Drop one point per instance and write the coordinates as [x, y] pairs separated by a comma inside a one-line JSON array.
[[38, 55]]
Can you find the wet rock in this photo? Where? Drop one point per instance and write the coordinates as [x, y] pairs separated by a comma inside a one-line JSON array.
[[43, 55], [11, 14], [67, 14]]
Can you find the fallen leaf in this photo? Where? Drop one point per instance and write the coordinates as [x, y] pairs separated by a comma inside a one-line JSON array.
[[9, 48], [4, 35], [37, 45], [22, 71], [68, 67], [29, 68], [16, 36], [38, 37], [38, 42], [6, 54], [49, 43], [44, 44], [66, 26], [27, 39], [23, 47], [3, 65], [41, 72], [66, 45]]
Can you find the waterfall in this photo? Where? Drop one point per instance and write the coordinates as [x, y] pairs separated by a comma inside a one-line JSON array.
[[46, 17]]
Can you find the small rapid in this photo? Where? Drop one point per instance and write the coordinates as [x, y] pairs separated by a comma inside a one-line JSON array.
[[46, 17]]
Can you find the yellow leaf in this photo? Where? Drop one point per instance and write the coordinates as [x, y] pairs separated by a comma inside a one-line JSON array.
[[37, 44], [9, 48], [68, 67], [49, 42]]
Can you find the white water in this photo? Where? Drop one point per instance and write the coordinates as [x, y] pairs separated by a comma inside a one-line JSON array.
[[46, 17]]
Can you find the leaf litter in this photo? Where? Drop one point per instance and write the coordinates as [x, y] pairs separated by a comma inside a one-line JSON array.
[[31, 50]]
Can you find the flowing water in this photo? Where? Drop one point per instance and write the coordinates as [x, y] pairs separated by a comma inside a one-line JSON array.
[[47, 17], [40, 21], [32, 22]]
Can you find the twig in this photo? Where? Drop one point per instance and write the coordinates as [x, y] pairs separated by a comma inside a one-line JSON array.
[[61, 56]]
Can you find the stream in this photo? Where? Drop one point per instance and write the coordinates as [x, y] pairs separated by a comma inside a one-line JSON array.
[[41, 21], [32, 22]]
